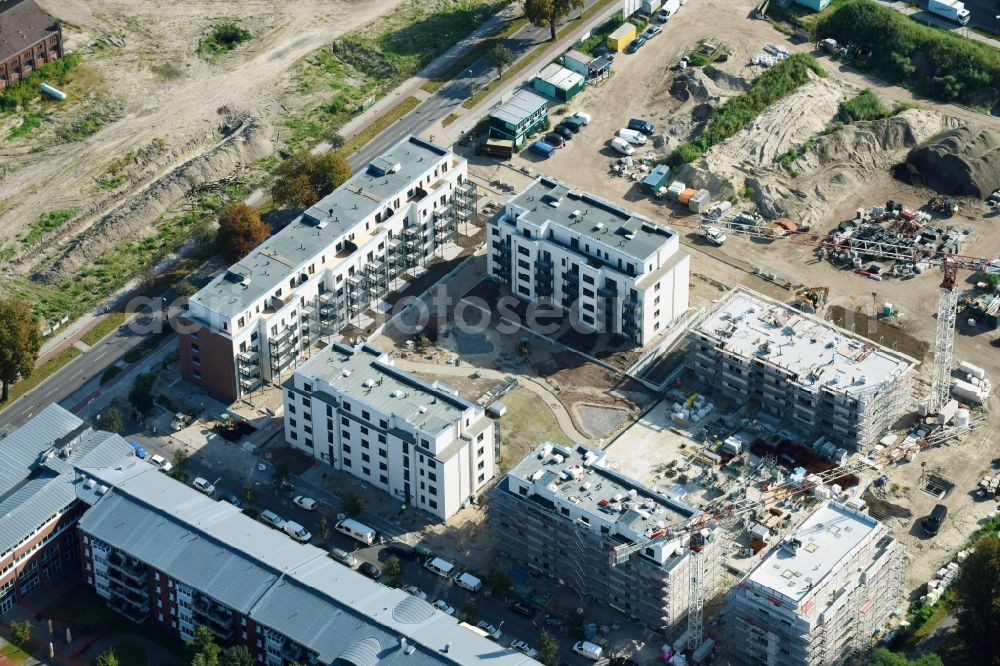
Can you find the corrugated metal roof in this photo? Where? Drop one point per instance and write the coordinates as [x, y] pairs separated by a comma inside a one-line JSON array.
[[20, 449], [519, 107], [32, 505]]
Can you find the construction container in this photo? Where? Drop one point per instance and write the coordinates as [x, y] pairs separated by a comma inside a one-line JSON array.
[[685, 197], [972, 370], [656, 179], [704, 652], [675, 190], [699, 202], [968, 392], [620, 38]]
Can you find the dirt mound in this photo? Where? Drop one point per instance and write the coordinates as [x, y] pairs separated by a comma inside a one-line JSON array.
[[960, 161], [362, 59], [245, 139]]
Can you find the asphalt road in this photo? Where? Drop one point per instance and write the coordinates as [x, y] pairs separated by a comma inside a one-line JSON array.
[[436, 107], [984, 14]]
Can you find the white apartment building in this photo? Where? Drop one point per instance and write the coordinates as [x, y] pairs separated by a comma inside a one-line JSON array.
[[325, 269], [611, 270], [822, 595], [421, 443]]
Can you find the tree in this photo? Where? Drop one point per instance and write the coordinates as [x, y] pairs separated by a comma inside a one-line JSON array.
[[393, 571], [20, 341], [202, 648], [977, 595], [335, 140], [884, 657], [548, 12], [304, 178], [248, 493], [499, 583], [323, 530], [236, 655], [548, 648], [280, 477], [469, 610], [107, 658], [141, 395], [111, 420], [20, 632], [350, 502], [240, 230], [500, 56]]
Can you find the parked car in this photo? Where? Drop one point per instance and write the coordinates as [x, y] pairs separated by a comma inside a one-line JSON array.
[[469, 582], [713, 235], [180, 421], [522, 609], [652, 31], [635, 137], [542, 148], [443, 606], [521, 646], [140, 452], [553, 139], [640, 125], [932, 523], [296, 531], [573, 123], [635, 45], [996, 342], [588, 650], [415, 591], [307, 503], [583, 117], [161, 462], [272, 519], [622, 146], [400, 549], [564, 131], [494, 633], [370, 570], [345, 558], [663, 15], [204, 485], [227, 496]]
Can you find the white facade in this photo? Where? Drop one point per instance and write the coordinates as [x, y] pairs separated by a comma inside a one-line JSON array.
[[822, 595], [421, 443], [611, 271]]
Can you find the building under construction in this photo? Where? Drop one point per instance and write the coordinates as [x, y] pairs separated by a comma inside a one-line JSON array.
[[563, 511], [822, 595], [819, 379]]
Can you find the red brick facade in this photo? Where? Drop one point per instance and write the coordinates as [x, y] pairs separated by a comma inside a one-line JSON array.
[[207, 360], [28, 40]]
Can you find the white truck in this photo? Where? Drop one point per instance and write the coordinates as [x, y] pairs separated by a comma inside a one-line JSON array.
[[953, 10], [668, 9]]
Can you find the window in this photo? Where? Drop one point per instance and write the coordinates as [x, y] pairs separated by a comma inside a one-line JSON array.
[[383, 424], [309, 442], [196, 374], [294, 435], [383, 479], [383, 453], [291, 423], [366, 416], [481, 465], [381, 439], [521, 263], [307, 387], [479, 453], [347, 448], [366, 471], [588, 279], [291, 409], [364, 430], [347, 406], [522, 289], [432, 476], [384, 467], [482, 477], [432, 490], [344, 421], [523, 251], [365, 457], [347, 462], [432, 504], [195, 349]]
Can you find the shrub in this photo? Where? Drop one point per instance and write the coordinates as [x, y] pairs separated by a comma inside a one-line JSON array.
[[866, 106]]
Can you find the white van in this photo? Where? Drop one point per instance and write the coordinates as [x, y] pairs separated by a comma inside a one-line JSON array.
[[356, 530], [588, 650], [442, 568], [635, 137], [469, 582], [296, 531], [622, 146]]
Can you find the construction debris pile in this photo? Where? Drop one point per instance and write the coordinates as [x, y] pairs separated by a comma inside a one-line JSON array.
[[943, 579]]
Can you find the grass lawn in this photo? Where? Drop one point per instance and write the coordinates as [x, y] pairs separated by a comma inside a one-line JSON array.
[[379, 125], [130, 654], [475, 53], [40, 374], [110, 322], [527, 423], [14, 653]]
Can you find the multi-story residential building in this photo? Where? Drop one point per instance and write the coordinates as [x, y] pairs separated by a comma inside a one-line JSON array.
[[821, 595], [351, 408], [821, 379], [613, 271], [160, 551], [325, 269], [40, 502], [562, 512], [28, 40]]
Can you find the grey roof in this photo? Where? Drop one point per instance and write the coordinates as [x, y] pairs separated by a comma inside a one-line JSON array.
[[291, 588], [39, 467], [547, 199], [519, 107], [559, 77], [318, 229], [364, 374], [22, 24]]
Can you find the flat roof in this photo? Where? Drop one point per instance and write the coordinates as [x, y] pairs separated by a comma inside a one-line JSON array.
[[292, 588], [366, 374], [610, 496], [559, 76], [611, 226], [269, 265], [825, 539], [519, 107], [818, 353]]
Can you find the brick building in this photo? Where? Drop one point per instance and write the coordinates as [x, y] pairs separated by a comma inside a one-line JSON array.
[[29, 38]]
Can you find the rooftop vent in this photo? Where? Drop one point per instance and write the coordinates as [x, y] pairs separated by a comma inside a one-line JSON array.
[[598, 226], [346, 372], [102, 489], [369, 383], [89, 484], [422, 409]]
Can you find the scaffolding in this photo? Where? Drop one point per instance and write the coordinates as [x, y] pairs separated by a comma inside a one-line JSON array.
[[944, 339]]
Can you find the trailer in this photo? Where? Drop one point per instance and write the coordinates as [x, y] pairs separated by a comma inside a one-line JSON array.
[[656, 179], [952, 10]]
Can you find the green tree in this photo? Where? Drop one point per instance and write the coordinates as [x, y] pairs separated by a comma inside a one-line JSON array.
[[393, 571], [202, 648], [977, 596], [350, 503], [323, 530], [548, 12], [500, 56], [280, 477], [20, 341], [141, 395], [499, 583], [548, 648], [236, 655], [304, 178], [111, 420], [107, 658], [240, 231], [469, 610], [248, 493], [20, 632], [884, 657]]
